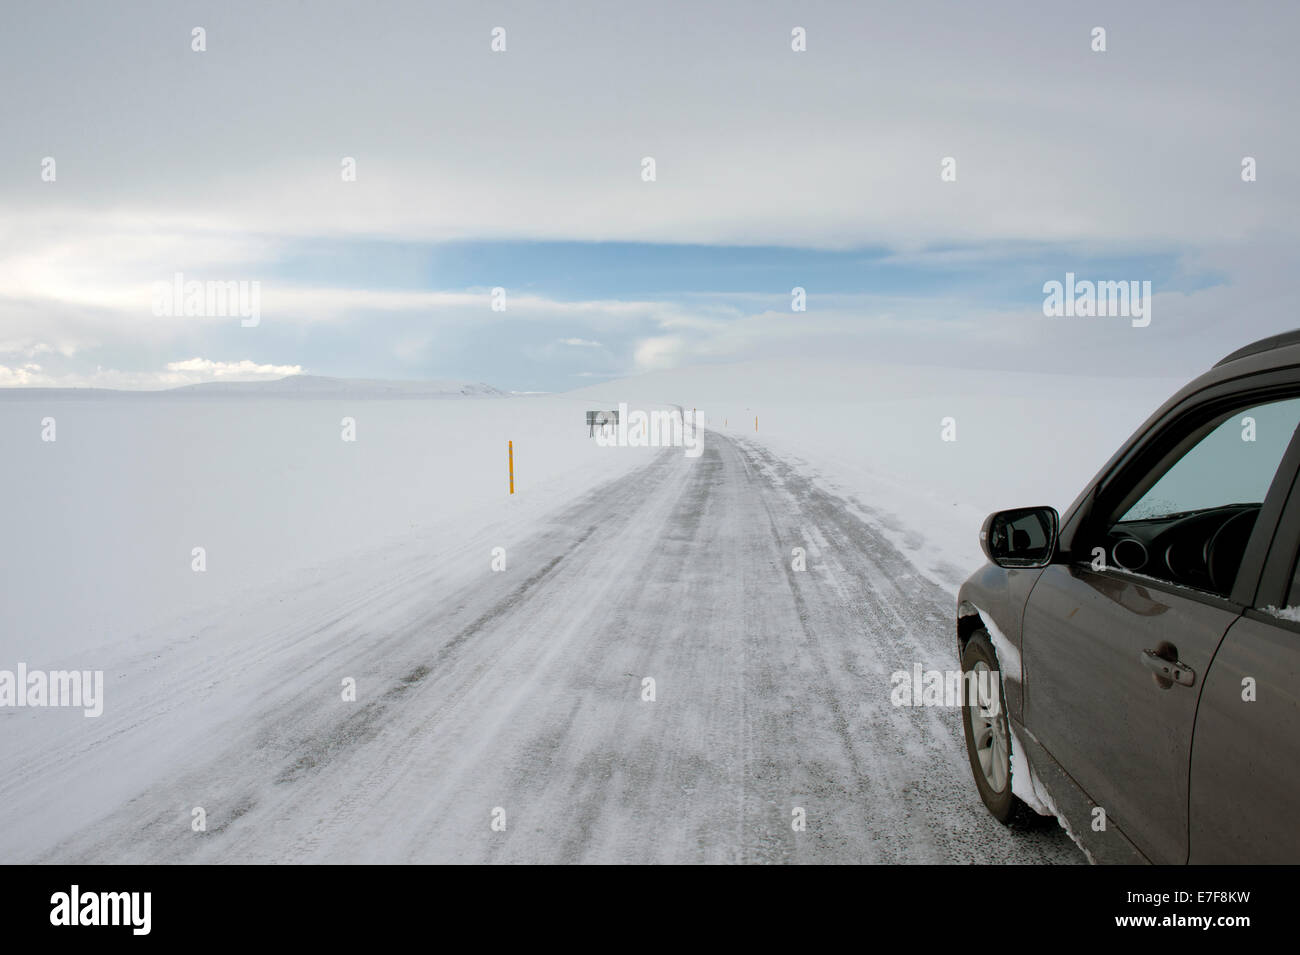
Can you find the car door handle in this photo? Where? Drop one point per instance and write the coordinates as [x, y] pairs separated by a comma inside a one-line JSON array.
[[1170, 670]]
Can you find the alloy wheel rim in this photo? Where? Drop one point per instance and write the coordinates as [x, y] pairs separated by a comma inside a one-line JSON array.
[[989, 729]]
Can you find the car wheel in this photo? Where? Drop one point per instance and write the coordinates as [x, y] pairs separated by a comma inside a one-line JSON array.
[[988, 736]]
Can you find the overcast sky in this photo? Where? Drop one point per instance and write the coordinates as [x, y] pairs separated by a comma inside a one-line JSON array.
[[522, 169]]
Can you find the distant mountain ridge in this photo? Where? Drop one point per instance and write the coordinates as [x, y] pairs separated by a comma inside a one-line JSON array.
[[349, 387], [293, 386]]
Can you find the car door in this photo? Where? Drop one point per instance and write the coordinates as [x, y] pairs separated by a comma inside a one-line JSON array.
[[1114, 659], [1245, 769]]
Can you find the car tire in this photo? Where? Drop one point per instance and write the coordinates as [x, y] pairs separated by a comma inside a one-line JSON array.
[[988, 735]]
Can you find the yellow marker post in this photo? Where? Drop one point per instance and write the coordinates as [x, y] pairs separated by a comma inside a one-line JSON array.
[[755, 422], [510, 447]]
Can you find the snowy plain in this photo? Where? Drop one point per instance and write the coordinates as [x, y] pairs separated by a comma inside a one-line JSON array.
[[327, 556], [97, 568], [876, 434], [104, 519]]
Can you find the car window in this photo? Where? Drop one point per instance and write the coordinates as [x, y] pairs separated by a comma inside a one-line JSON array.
[[1234, 463], [1192, 524]]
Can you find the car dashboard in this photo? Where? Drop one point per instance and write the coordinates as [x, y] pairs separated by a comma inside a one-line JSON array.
[[1201, 549]]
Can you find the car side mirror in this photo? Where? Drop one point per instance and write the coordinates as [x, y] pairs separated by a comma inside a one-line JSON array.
[[1022, 537]]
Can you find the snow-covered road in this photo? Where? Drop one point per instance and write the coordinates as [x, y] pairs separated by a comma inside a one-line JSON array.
[[517, 696]]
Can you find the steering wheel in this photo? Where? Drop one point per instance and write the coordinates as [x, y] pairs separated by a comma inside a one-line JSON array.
[[1226, 547]]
